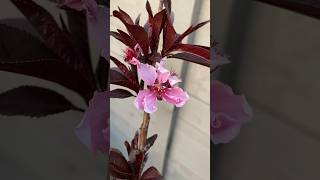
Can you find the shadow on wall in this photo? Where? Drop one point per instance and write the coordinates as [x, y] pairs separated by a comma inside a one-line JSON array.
[[275, 64]]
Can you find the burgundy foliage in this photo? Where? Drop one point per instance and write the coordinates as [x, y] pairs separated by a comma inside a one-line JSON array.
[[53, 53], [132, 168]]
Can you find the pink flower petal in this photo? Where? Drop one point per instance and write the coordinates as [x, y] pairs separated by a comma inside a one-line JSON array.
[[150, 103], [163, 74], [92, 9], [146, 101], [93, 131], [134, 61], [147, 73], [176, 96], [139, 101], [229, 111], [173, 80], [224, 128]]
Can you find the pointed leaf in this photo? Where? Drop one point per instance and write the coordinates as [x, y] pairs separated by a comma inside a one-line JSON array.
[[193, 49], [12, 48], [167, 5], [149, 10], [118, 78], [120, 93], [141, 37], [123, 16], [102, 73], [120, 38], [77, 24], [54, 37], [123, 68], [190, 30], [191, 58], [35, 59], [158, 22], [151, 174], [169, 36], [33, 101], [151, 140], [136, 22], [118, 165], [131, 41], [128, 147]]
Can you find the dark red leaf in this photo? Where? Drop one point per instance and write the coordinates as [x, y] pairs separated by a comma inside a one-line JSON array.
[[139, 162], [134, 141], [169, 36], [118, 165], [193, 49], [124, 38], [204, 47], [102, 72], [149, 10], [191, 58], [167, 5], [141, 37], [35, 59], [137, 32], [54, 37], [123, 68], [131, 41], [77, 23], [33, 101], [128, 147], [189, 31], [151, 174], [123, 16], [137, 21], [53, 70], [158, 22], [120, 93], [151, 140], [118, 78]]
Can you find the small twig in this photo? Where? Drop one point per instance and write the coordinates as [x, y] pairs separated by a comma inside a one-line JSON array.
[[144, 131]]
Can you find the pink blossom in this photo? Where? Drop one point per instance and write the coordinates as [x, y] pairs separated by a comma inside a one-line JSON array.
[[228, 113], [161, 86], [90, 6], [93, 131], [132, 55]]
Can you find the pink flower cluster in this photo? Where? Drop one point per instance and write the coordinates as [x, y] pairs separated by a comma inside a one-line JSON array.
[[161, 83]]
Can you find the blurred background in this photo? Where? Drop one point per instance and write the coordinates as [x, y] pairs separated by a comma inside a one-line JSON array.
[[275, 57], [44, 148], [182, 150]]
